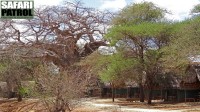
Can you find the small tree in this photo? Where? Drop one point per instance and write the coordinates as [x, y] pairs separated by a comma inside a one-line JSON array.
[[110, 68], [14, 72]]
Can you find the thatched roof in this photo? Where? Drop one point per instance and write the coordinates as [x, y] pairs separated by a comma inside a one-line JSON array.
[[170, 80], [131, 84], [192, 74], [124, 85], [192, 79]]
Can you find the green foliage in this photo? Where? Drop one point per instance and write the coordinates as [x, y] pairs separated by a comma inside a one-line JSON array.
[[23, 91], [15, 71], [110, 68], [22, 69], [31, 64], [184, 44], [196, 9], [139, 12], [141, 23], [176, 43], [148, 31], [115, 66], [2, 67], [144, 30], [152, 59]]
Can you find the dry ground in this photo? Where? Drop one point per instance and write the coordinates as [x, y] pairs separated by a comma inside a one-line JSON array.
[[120, 105], [101, 105]]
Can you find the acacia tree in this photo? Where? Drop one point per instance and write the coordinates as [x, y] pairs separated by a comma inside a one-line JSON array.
[[184, 46], [145, 41], [139, 12], [124, 23], [130, 24]]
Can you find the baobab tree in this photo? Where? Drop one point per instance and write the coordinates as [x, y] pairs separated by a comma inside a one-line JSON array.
[[55, 31], [53, 36]]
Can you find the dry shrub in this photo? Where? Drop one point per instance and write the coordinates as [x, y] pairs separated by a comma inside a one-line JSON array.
[[60, 91]]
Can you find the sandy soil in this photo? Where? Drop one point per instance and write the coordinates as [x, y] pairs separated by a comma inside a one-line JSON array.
[[101, 105], [106, 105]]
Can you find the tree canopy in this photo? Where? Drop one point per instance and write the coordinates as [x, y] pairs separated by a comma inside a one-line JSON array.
[[196, 9], [139, 12]]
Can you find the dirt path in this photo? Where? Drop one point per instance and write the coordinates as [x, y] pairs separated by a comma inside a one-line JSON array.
[[105, 105], [101, 105]]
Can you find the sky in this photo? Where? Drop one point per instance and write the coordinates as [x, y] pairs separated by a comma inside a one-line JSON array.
[[179, 9]]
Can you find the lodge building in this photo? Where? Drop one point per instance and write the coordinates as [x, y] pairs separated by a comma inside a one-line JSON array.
[[186, 89]]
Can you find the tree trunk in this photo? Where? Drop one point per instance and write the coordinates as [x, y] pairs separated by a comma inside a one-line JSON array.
[[11, 94], [150, 96], [19, 93], [141, 57], [19, 98], [141, 92], [68, 107], [128, 92], [113, 93], [9, 89], [166, 95]]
